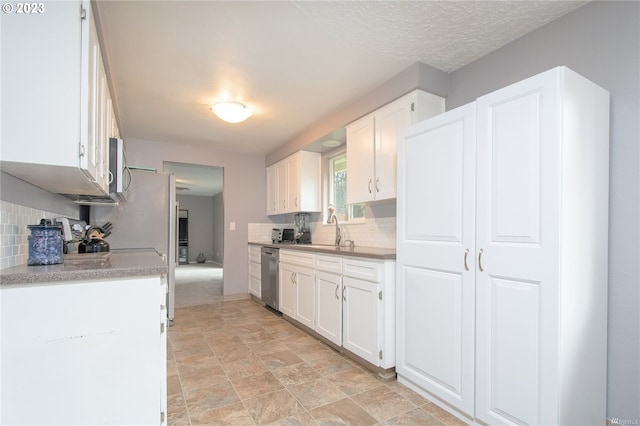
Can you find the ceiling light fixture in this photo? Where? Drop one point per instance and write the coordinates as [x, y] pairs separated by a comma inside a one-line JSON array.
[[231, 111], [331, 143]]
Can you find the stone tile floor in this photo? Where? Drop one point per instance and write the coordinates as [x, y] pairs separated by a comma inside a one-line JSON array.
[[236, 363]]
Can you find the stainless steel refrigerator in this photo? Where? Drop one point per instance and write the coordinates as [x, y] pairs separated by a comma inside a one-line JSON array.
[[145, 220]]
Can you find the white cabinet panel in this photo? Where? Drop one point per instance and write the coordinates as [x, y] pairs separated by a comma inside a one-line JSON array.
[[287, 289], [360, 318], [306, 297], [361, 169], [329, 310], [512, 310], [255, 271], [437, 351], [297, 284], [435, 284]]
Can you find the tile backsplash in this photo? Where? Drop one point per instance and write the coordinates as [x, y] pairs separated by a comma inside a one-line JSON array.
[[372, 233], [14, 243]]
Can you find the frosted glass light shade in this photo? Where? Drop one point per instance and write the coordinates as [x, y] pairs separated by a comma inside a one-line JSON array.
[[231, 111]]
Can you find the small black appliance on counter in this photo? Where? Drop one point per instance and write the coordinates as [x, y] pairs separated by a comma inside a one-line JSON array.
[[288, 235]]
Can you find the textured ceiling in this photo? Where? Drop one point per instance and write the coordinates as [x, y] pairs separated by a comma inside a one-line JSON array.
[[444, 34], [292, 62]]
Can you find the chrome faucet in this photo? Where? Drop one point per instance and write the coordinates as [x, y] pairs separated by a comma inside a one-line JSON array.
[[334, 219]]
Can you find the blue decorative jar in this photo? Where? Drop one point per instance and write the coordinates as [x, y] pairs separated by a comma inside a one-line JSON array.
[[45, 243]]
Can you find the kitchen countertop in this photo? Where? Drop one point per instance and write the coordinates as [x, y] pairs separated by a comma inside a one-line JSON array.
[[83, 267], [367, 252]]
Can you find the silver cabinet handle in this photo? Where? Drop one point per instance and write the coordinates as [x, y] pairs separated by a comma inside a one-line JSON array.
[[480, 260], [369, 186], [466, 253], [343, 298], [293, 278], [377, 184], [337, 287], [296, 202]]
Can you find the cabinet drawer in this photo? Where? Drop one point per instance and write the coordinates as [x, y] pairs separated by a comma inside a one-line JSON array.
[[329, 264], [254, 254], [361, 269], [297, 258], [255, 269]]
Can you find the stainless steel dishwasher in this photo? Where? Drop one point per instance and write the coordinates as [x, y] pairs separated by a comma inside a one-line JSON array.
[[269, 276]]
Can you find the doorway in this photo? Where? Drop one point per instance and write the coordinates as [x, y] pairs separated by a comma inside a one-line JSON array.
[[199, 274]]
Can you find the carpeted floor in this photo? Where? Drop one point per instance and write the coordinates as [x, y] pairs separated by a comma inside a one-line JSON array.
[[198, 284]]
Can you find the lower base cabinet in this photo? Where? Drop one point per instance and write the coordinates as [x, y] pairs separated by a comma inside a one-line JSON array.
[[84, 353], [348, 301], [255, 271], [368, 310]]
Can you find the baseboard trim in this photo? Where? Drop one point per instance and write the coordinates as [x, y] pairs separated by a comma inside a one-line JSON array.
[[237, 296]]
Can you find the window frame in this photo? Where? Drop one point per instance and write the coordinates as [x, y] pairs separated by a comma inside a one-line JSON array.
[[328, 161]]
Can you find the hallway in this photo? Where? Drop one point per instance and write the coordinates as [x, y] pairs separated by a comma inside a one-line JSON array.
[[198, 284], [236, 363]]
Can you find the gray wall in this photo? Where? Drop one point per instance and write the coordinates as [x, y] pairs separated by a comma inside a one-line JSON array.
[[201, 220], [417, 76], [601, 41], [244, 189], [218, 228], [19, 192]]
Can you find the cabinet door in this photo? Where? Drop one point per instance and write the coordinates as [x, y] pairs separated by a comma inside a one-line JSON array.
[[360, 181], [272, 190], [435, 251], [360, 306], [90, 123], [70, 353], [517, 241], [293, 183], [282, 183], [329, 306], [389, 121], [287, 287], [255, 286], [305, 296], [164, 289]]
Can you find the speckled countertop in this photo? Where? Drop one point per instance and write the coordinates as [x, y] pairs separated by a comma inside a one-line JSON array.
[[82, 267], [367, 252]]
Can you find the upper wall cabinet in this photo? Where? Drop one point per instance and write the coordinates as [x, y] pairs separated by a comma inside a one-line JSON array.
[[372, 145], [57, 110], [293, 184]]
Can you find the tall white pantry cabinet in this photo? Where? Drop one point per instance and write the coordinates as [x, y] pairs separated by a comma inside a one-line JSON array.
[[502, 254]]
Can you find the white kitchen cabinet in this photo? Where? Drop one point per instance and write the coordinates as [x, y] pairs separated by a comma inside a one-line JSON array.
[[55, 123], [329, 298], [503, 206], [91, 352], [293, 184], [297, 285], [368, 310], [372, 145], [255, 271], [272, 190]]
